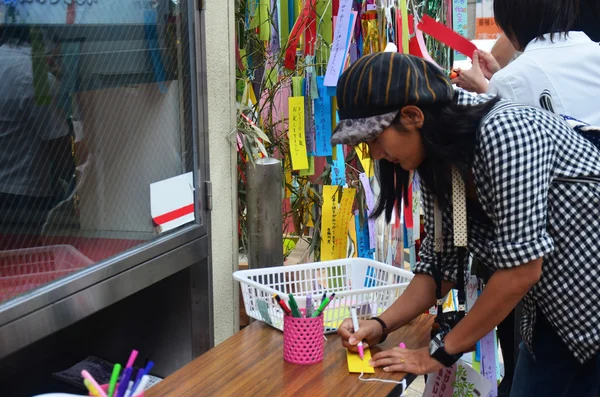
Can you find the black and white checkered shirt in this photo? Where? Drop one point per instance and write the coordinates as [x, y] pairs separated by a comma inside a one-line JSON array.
[[530, 172]]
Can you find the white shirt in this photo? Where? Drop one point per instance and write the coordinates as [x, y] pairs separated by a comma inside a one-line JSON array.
[[568, 67], [26, 126]]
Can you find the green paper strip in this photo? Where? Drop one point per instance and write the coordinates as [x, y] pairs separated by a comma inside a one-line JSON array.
[[263, 15], [297, 83], [311, 167], [284, 23]]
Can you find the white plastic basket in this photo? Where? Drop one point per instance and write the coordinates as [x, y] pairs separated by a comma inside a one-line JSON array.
[[369, 286]]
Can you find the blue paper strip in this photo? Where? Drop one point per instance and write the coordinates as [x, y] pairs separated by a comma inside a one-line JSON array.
[[362, 237], [338, 168], [322, 120]]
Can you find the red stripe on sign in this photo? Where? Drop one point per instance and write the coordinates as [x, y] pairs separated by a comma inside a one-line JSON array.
[[171, 216]]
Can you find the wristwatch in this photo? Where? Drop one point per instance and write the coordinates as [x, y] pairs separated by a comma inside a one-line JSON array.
[[437, 351], [384, 328]]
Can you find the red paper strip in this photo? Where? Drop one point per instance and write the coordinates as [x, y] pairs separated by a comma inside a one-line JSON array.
[[311, 34], [336, 5], [297, 31], [447, 36], [171, 216], [238, 57]]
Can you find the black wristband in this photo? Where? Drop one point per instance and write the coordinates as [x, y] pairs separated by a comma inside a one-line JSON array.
[[384, 328]]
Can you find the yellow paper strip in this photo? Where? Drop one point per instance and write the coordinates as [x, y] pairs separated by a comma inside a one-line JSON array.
[[353, 239], [404, 14], [341, 228], [356, 365], [328, 212], [297, 136], [362, 152]]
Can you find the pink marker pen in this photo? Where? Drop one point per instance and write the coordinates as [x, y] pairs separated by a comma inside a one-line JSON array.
[[361, 351]]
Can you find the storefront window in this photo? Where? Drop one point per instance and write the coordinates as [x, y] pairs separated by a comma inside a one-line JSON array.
[[96, 143]]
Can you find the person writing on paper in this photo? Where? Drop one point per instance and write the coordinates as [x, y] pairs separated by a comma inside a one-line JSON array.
[[558, 57], [532, 213]]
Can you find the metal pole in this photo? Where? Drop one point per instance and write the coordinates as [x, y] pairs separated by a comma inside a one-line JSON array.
[[264, 182]]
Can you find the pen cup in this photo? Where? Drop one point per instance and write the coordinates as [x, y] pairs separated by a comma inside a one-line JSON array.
[[105, 388], [303, 341]]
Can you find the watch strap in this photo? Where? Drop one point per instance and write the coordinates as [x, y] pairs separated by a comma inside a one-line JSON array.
[[384, 327]]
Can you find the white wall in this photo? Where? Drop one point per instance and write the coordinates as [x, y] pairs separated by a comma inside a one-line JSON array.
[[220, 57]]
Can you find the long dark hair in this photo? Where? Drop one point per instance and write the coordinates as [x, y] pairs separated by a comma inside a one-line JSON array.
[[449, 135]]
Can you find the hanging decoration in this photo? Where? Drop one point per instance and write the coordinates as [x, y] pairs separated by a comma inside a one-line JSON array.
[[289, 56]]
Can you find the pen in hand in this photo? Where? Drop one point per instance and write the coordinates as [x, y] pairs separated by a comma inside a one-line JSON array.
[[361, 350]]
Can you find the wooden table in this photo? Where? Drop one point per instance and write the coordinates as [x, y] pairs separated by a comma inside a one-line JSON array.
[[250, 363]]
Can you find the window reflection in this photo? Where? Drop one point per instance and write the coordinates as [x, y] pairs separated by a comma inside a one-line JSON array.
[[94, 107]]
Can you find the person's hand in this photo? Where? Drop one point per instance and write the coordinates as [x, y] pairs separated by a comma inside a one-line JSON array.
[[487, 63], [473, 79], [417, 362], [369, 332]]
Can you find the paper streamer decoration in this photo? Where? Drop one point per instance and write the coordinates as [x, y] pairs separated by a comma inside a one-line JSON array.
[[371, 205], [283, 22], [362, 236], [362, 151], [297, 136], [322, 107], [328, 212], [338, 167], [310, 34], [447, 36], [297, 31], [264, 26], [460, 21], [488, 361], [344, 215], [341, 42], [404, 20], [416, 211]]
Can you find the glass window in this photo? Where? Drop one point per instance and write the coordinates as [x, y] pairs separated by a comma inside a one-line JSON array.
[[96, 142]]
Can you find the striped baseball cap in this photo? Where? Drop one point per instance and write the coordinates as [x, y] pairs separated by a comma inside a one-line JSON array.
[[371, 92]]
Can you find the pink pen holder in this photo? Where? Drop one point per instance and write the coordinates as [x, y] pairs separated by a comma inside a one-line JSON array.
[[105, 388], [303, 340]]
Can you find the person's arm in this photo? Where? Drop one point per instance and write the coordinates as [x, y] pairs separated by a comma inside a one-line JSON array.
[[502, 293], [420, 293], [517, 193], [418, 297]]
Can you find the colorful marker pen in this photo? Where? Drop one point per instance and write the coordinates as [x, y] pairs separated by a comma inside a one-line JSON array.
[[113, 380], [294, 306], [309, 306], [323, 306], [402, 345], [361, 350], [284, 307]]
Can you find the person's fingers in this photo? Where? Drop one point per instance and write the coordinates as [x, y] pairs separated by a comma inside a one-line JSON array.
[[456, 81], [362, 333], [350, 347], [476, 61], [385, 362], [396, 368], [344, 331]]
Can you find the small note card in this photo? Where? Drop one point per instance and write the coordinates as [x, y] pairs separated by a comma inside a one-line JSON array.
[[356, 365]]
